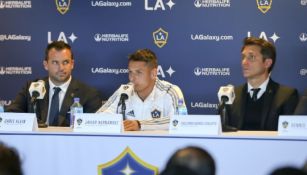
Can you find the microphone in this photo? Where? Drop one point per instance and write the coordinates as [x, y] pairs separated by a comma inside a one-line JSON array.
[[226, 94], [123, 98], [37, 90]]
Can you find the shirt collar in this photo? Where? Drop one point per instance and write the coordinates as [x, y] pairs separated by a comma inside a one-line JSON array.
[[63, 86], [262, 87]]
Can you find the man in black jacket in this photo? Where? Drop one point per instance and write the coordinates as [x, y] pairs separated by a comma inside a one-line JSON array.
[[61, 88], [260, 101]]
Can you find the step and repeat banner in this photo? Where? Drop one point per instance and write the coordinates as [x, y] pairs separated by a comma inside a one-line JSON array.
[[198, 42]]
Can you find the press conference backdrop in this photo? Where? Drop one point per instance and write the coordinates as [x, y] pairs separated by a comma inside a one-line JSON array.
[[198, 42]]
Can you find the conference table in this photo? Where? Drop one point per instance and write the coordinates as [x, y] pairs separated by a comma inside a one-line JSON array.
[[59, 151]]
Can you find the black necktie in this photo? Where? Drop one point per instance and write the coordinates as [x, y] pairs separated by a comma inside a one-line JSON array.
[[255, 92], [54, 107]]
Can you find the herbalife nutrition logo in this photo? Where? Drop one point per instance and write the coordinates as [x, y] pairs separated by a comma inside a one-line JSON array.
[[15, 4], [212, 3]]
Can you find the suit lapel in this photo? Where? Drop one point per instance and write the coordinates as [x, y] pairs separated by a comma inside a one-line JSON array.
[[267, 103], [242, 96], [67, 102]]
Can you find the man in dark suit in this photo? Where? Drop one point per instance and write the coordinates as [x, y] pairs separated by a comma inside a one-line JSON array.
[[301, 108], [61, 88], [260, 101]]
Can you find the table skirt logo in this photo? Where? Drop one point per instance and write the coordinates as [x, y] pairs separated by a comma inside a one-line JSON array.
[[127, 163], [285, 124], [264, 5], [62, 6], [160, 37]]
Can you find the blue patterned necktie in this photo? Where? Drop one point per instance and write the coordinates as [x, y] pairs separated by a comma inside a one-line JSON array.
[[54, 107]]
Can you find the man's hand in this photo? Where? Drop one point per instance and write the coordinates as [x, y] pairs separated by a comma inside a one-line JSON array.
[[131, 125]]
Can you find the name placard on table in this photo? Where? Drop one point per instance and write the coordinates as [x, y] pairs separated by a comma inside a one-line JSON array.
[[292, 125], [195, 124], [10, 121], [102, 123]]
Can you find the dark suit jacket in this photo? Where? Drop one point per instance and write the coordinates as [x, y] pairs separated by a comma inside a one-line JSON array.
[[90, 99], [278, 100], [301, 108]]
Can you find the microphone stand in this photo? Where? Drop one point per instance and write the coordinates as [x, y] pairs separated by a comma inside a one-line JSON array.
[[40, 123], [224, 117], [124, 110]]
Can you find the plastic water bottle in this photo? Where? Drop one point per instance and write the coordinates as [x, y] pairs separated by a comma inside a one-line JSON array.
[[181, 108], [1, 108], [76, 107]]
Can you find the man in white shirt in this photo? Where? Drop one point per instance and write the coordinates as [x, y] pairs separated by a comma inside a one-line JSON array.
[[150, 101]]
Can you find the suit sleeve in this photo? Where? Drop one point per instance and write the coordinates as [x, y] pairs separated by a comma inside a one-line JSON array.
[[94, 101], [301, 108], [290, 103], [21, 102]]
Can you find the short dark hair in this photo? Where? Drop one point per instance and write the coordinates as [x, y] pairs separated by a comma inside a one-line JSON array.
[[9, 161], [195, 158], [145, 55], [268, 49], [287, 171], [57, 45]]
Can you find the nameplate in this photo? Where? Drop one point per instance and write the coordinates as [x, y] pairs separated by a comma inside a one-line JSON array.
[[292, 125], [98, 122], [18, 122], [195, 124]]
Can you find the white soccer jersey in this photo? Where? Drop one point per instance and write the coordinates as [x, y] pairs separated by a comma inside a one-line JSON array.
[[153, 113]]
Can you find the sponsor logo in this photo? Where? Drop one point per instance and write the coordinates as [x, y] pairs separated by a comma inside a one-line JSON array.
[[210, 71], [5, 102], [102, 70], [62, 6], [62, 37], [154, 5], [105, 70], [303, 72], [264, 5], [303, 37], [15, 4], [204, 105], [111, 37], [212, 3], [127, 163], [160, 37], [15, 70], [303, 2], [111, 4], [15, 37], [274, 37], [206, 37]]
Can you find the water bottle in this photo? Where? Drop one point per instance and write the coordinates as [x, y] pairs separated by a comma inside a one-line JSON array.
[[181, 108], [1, 108], [76, 107]]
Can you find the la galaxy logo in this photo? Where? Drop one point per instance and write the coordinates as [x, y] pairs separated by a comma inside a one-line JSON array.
[[264, 5], [62, 6], [160, 37], [285, 124], [156, 113], [127, 163]]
